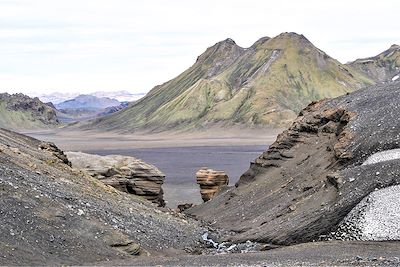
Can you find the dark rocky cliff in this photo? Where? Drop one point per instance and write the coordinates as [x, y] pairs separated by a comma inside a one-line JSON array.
[[312, 176]]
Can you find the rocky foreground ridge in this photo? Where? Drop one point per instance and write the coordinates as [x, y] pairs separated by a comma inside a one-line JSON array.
[[52, 214], [313, 175], [127, 174]]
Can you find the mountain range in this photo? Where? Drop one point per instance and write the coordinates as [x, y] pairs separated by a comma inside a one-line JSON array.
[[88, 102], [265, 85], [85, 107], [121, 96]]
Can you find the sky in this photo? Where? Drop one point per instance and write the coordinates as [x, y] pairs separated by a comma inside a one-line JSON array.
[[107, 45]]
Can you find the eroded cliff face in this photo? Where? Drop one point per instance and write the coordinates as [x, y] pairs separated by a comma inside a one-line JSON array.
[[311, 176]]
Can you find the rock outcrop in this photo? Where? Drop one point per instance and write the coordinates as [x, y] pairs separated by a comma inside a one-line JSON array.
[[53, 149], [126, 174], [210, 182], [312, 176]]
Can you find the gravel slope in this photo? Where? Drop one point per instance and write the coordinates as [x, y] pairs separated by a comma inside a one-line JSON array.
[[52, 214]]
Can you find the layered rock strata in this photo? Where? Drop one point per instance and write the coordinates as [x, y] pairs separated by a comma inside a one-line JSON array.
[[210, 182], [126, 174]]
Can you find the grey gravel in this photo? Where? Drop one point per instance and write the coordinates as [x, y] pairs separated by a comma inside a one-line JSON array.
[[375, 218]]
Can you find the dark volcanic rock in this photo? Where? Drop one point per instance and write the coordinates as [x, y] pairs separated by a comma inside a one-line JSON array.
[[312, 176], [126, 174], [183, 207], [52, 148]]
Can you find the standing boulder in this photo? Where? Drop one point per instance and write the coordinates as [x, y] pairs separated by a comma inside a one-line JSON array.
[[126, 174], [210, 182]]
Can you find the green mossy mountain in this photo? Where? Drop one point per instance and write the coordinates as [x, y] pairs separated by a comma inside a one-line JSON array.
[[19, 112], [264, 85], [381, 68]]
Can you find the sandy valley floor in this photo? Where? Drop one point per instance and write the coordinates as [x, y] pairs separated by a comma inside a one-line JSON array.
[[179, 156], [74, 140]]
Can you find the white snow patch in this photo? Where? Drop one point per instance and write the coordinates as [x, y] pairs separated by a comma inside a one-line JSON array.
[[395, 77], [383, 156]]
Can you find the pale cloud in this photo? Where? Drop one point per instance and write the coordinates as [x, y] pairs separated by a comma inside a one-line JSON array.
[[76, 45]]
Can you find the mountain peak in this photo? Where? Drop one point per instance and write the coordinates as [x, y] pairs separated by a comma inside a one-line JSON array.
[[291, 35], [229, 41], [223, 51], [394, 46], [224, 45]]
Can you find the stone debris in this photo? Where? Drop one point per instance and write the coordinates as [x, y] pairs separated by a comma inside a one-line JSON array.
[[227, 247], [124, 173], [210, 182], [183, 207]]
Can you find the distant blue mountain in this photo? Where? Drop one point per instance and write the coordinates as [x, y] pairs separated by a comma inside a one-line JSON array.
[[88, 102]]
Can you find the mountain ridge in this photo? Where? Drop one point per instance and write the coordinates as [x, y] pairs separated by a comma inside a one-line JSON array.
[[264, 85], [86, 107], [57, 97], [87, 101]]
